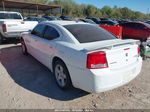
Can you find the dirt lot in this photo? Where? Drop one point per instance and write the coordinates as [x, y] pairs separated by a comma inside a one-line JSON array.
[[27, 84]]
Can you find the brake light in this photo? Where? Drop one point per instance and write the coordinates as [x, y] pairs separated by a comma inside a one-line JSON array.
[[97, 60], [139, 50], [4, 27]]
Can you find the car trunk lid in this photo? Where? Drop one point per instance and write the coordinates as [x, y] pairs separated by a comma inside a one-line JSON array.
[[119, 53]]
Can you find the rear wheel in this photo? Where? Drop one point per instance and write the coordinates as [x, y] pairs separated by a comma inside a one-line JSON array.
[[24, 48], [62, 75]]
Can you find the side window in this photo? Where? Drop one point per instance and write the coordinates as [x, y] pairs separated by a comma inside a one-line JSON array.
[[38, 30], [139, 26], [128, 25], [125, 24], [131, 25], [50, 33]]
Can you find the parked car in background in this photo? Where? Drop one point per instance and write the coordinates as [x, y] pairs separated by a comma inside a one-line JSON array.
[[12, 25], [51, 18], [105, 19], [38, 19], [116, 30], [96, 20], [105, 62], [108, 22], [87, 21], [136, 30], [67, 18], [148, 22], [120, 21]]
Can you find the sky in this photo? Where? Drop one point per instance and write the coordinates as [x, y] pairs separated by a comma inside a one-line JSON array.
[[136, 5]]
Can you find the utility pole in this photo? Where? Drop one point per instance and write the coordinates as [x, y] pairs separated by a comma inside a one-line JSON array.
[[3, 3], [147, 11], [148, 14]]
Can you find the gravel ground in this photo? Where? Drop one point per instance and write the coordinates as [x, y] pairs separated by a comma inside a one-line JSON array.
[[27, 84]]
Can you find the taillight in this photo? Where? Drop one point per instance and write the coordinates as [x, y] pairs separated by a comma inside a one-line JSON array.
[[139, 50], [97, 60], [4, 27]]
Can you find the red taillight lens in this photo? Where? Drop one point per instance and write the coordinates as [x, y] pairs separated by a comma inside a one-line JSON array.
[[97, 60], [4, 27], [139, 50]]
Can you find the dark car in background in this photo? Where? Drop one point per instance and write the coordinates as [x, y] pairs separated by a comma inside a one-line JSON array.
[[105, 19], [87, 20], [148, 22], [108, 22], [136, 30], [51, 18], [38, 19], [68, 18], [96, 20], [121, 21]]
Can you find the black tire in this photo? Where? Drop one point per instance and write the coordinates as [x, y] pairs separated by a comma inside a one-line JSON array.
[[24, 48], [144, 57], [66, 76]]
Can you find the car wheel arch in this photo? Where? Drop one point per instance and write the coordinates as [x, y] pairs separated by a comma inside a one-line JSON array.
[[55, 58], [53, 64]]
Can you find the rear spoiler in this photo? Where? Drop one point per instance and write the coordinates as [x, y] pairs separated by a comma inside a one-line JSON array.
[[111, 46]]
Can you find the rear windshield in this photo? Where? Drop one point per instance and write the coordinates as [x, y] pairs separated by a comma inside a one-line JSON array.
[[10, 16], [85, 33]]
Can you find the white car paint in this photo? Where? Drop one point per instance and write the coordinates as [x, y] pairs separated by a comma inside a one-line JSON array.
[[14, 27], [121, 69]]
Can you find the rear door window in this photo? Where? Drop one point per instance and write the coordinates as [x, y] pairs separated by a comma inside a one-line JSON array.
[[139, 26], [130, 25], [51, 33], [38, 30], [89, 33]]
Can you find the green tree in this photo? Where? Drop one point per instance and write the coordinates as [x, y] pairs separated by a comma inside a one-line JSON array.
[[107, 11], [90, 11], [126, 13], [71, 8]]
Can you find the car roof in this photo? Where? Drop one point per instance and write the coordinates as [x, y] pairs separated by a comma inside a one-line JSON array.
[[62, 23]]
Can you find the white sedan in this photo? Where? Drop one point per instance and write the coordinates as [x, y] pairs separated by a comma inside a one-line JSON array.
[[83, 55]]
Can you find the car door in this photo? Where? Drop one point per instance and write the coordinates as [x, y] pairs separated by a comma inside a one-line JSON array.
[[129, 30], [33, 38], [125, 29], [46, 45]]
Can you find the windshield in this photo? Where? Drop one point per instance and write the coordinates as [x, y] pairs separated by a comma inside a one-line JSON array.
[[10, 16], [89, 33]]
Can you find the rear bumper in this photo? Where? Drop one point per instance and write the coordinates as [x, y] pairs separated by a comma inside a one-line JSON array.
[[115, 78], [100, 80]]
